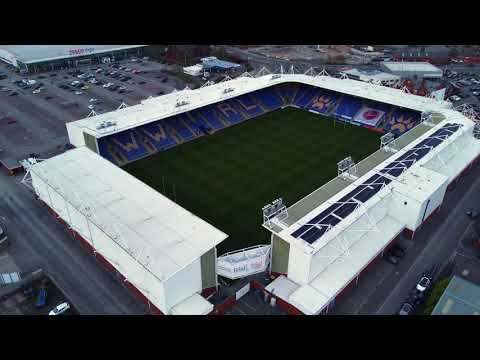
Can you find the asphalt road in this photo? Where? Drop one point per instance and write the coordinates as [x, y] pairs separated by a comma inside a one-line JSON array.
[[37, 240], [442, 234]]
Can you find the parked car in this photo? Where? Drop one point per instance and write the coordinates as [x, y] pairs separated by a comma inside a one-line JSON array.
[[78, 93], [142, 82], [397, 252], [14, 93], [93, 100], [473, 214], [28, 292], [423, 284], [41, 298], [406, 309], [425, 281], [60, 309], [391, 259], [3, 237], [48, 97]]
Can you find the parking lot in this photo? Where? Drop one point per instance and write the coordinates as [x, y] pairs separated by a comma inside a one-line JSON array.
[[34, 109], [467, 85]]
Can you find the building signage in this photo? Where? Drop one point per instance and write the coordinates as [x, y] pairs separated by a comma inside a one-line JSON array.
[[81, 51]]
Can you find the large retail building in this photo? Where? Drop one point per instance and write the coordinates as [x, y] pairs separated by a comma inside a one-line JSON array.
[[36, 58]]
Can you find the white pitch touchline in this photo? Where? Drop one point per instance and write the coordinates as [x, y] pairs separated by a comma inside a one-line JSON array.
[[440, 230]]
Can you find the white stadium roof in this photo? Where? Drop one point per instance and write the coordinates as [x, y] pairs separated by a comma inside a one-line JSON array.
[[370, 226], [146, 230], [164, 106], [28, 54]]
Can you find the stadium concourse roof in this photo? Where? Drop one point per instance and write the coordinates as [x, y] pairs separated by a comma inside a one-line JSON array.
[[28, 54], [147, 231], [164, 106]]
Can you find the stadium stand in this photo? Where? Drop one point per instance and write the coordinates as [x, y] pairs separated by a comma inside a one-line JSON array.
[[269, 98], [209, 114], [132, 145], [228, 111], [157, 135], [249, 106], [128, 145], [348, 107], [324, 102], [176, 123], [401, 121], [287, 92]]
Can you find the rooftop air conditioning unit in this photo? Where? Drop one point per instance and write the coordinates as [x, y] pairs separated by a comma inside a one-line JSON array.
[[276, 76], [181, 103], [227, 90]]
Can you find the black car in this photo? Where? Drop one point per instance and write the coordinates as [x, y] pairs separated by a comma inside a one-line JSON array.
[[53, 75], [41, 77], [142, 82], [391, 259], [13, 94], [396, 252], [406, 309], [473, 214], [164, 80], [48, 97]]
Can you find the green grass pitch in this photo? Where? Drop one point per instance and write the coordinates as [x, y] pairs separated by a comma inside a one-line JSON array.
[[226, 178]]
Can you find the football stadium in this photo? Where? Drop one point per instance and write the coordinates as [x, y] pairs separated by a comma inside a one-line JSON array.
[[155, 190]]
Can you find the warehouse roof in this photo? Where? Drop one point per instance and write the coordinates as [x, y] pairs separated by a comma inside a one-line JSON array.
[[148, 236], [213, 62], [37, 53], [410, 66], [461, 297], [368, 75]]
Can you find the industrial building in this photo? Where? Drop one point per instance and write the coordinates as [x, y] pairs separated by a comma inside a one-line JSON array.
[[374, 76], [412, 69], [211, 64], [461, 297], [163, 253], [320, 246], [36, 58]]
